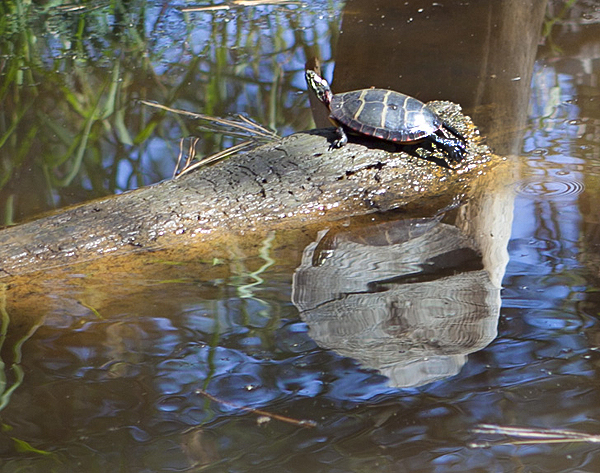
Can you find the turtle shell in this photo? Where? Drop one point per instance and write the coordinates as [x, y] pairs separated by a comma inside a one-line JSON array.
[[384, 114]]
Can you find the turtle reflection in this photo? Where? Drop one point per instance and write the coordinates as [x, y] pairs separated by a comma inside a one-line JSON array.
[[409, 298]]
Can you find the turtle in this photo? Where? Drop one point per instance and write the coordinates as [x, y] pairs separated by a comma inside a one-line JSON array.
[[387, 115]]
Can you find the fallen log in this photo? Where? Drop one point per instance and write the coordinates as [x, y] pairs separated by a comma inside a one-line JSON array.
[[295, 182]]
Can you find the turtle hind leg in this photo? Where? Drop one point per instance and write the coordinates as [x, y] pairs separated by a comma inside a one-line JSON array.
[[454, 131], [416, 150], [455, 149], [341, 139]]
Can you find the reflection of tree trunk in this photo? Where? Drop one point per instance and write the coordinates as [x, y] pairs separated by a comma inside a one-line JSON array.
[[487, 218], [479, 55], [293, 183]]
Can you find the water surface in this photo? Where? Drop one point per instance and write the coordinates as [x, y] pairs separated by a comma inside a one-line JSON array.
[[383, 347]]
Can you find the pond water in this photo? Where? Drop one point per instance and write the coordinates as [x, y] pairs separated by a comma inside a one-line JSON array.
[[401, 345]]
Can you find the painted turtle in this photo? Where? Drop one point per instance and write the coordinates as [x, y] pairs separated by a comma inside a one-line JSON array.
[[388, 115]]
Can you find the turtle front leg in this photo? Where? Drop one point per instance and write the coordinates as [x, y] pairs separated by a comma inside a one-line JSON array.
[[342, 138]]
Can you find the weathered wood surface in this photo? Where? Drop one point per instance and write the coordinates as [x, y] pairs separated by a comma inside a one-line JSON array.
[[294, 182]]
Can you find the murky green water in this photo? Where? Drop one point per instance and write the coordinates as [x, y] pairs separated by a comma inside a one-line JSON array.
[[382, 348]]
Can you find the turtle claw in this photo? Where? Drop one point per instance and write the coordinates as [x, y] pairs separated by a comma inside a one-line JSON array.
[[342, 138]]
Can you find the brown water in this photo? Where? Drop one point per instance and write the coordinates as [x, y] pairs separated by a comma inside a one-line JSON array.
[[394, 341]]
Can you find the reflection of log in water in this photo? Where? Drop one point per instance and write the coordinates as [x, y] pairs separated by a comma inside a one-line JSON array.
[[411, 301]]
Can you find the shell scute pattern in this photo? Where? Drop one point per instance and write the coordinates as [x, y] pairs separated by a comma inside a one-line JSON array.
[[385, 114]]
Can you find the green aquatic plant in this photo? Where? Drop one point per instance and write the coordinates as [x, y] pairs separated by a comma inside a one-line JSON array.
[[552, 19], [7, 389], [72, 126]]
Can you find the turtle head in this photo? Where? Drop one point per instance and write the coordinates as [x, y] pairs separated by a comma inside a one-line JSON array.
[[319, 86]]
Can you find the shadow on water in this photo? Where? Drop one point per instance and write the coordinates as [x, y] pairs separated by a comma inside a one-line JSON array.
[[395, 334]]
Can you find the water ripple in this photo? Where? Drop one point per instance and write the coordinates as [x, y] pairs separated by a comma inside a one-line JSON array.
[[534, 188]]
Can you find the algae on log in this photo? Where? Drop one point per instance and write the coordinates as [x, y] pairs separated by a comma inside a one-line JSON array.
[[287, 184]]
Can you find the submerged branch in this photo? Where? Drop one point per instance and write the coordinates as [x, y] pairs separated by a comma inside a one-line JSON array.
[[529, 436], [270, 415]]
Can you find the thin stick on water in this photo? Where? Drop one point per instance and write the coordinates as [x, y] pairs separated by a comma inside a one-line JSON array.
[[244, 125], [531, 436], [240, 3], [214, 157], [179, 157], [289, 420], [247, 126]]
